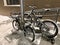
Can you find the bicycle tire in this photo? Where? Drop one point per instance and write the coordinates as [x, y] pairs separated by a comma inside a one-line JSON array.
[[32, 31], [56, 32], [14, 22]]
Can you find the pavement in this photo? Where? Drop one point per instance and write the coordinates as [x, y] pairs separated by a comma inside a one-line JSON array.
[[7, 38]]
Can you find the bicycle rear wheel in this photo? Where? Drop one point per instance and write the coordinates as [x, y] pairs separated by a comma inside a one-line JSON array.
[[50, 29], [15, 25], [29, 33]]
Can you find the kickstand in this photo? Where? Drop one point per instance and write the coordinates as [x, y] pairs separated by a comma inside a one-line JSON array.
[[52, 40]]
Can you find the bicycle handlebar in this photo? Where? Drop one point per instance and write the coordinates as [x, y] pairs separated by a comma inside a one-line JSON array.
[[32, 7]]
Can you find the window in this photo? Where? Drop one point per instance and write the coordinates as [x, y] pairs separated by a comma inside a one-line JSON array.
[[11, 2]]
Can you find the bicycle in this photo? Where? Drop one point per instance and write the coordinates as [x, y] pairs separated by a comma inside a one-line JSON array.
[[46, 27], [29, 33]]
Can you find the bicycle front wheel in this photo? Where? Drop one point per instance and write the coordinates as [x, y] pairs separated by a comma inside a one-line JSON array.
[[50, 29], [29, 33]]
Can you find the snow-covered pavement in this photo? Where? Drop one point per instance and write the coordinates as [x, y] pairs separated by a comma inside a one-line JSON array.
[[5, 31], [15, 39]]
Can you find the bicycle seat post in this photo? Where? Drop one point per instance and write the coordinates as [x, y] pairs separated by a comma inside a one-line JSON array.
[[32, 8], [33, 13]]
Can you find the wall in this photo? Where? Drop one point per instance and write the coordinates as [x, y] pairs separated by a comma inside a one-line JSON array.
[[6, 10], [39, 3], [47, 3]]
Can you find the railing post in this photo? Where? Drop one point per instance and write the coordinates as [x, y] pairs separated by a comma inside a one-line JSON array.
[[57, 15], [22, 10], [22, 13]]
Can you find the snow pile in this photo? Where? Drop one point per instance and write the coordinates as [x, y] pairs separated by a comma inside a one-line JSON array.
[[58, 24], [4, 19]]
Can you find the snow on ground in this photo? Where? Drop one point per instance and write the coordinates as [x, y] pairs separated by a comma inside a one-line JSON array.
[[3, 18], [6, 29], [58, 23]]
